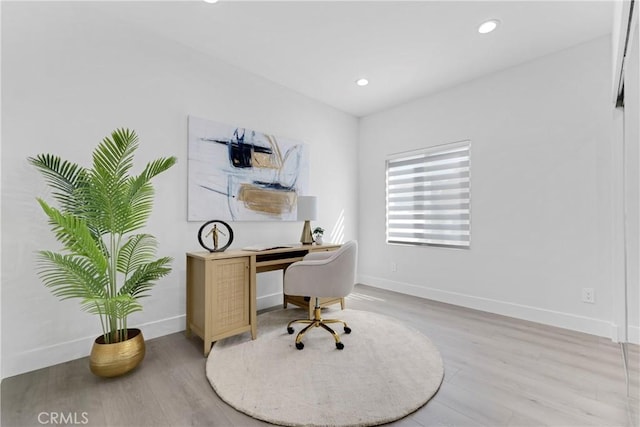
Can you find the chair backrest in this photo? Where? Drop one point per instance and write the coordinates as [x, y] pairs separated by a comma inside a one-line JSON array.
[[343, 267], [334, 276]]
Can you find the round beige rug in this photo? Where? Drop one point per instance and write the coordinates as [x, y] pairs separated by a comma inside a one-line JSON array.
[[385, 372]]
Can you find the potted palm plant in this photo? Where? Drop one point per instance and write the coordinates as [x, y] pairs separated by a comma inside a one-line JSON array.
[[106, 262]]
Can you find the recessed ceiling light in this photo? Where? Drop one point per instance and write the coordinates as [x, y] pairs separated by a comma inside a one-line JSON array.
[[488, 26], [362, 82], [211, 1]]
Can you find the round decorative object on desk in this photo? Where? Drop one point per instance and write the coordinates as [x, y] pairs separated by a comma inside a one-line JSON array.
[[213, 229]]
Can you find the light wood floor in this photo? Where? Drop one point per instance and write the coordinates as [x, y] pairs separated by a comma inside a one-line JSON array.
[[498, 372]]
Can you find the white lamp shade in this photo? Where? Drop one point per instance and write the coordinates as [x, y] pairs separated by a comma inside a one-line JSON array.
[[307, 208]]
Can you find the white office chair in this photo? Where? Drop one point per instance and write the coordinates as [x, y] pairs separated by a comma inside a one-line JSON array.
[[322, 275]]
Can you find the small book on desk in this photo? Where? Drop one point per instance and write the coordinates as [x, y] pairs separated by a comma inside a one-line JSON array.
[[260, 248]]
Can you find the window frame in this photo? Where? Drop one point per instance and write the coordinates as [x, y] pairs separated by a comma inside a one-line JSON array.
[[455, 222]]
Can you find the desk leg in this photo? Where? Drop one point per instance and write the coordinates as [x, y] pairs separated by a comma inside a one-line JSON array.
[[252, 298], [189, 308], [284, 296]]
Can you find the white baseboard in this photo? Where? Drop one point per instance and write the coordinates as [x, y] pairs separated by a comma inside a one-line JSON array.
[[534, 314], [43, 357], [617, 334], [634, 335], [268, 301]]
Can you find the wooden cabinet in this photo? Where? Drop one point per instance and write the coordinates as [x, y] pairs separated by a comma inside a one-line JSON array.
[[221, 289], [219, 298]]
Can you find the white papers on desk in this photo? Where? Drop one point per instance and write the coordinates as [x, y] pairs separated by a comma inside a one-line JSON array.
[[259, 248]]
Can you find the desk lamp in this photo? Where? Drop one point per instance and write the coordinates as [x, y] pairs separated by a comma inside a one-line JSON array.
[[307, 211]]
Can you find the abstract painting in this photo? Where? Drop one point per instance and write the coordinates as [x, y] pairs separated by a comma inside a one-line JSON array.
[[239, 174]]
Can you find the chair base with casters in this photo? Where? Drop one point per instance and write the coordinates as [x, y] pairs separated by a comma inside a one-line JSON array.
[[316, 322]]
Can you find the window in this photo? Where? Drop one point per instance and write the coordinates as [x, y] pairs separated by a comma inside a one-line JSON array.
[[428, 196]]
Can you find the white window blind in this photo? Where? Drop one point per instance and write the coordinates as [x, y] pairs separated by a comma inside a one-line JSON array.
[[428, 196]]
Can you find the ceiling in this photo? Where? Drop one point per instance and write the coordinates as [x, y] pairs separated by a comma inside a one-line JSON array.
[[407, 49]]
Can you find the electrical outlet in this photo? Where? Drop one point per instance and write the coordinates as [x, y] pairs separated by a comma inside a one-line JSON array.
[[394, 267], [588, 295]]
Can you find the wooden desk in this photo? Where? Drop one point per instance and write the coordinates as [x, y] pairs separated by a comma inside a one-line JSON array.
[[221, 289]]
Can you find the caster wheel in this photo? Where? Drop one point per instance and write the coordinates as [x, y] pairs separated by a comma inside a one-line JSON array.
[[347, 330], [299, 345], [339, 345], [290, 330]]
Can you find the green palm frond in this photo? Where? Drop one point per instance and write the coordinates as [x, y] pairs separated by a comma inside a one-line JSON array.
[[66, 178], [138, 250], [107, 198], [98, 208], [94, 305], [144, 278], [156, 167], [71, 276], [125, 201], [113, 157], [119, 306], [125, 305], [117, 309], [140, 193], [140, 205], [75, 236]]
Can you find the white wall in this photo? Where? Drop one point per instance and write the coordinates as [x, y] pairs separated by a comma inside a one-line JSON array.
[[1, 376], [632, 179], [69, 77], [541, 208]]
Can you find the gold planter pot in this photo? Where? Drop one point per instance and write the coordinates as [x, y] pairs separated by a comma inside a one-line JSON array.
[[112, 360]]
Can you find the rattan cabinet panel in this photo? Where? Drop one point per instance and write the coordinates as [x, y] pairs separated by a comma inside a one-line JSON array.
[[230, 296]]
